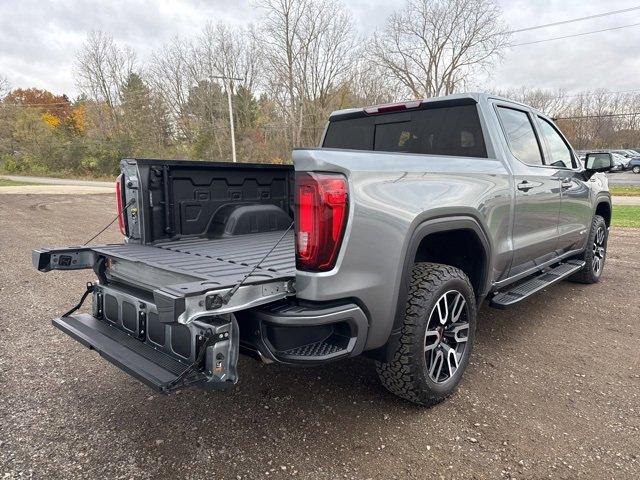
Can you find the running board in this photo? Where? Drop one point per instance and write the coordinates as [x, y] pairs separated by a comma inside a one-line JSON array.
[[524, 290]]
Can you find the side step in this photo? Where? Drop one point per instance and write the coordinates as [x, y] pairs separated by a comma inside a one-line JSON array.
[[535, 284], [143, 362]]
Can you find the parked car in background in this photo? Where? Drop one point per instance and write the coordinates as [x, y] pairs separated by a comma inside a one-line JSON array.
[[634, 165], [627, 153], [620, 163]]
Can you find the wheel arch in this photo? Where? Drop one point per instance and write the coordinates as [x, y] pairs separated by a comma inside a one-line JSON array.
[[455, 228], [604, 209]]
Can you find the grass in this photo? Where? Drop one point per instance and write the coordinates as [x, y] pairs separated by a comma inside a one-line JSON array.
[[626, 216], [625, 191], [4, 182]]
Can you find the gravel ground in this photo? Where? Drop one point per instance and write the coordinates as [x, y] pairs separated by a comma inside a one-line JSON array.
[[56, 190], [553, 389]]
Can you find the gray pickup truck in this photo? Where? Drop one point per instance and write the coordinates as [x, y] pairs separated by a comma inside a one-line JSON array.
[[384, 241]]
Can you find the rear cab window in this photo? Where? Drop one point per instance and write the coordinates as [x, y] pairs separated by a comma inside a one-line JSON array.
[[443, 130]]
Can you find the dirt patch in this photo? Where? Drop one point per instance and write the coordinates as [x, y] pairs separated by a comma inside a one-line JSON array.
[[553, 389]]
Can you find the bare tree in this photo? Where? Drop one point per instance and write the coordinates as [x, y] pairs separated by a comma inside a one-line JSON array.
[[554, 103], [309, 49], [227, 60], [328, 64], [5, 87], [433, 47], [372, 86], [229, 52], [281, 36], [172, 72], [590, 119], [102, 68]]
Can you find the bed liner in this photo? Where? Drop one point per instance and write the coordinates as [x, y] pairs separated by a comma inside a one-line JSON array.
[[222, 261]]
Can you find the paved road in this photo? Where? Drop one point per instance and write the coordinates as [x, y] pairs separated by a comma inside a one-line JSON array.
[[626, 200], [55, 190], [624, 178], [58, 181], [552, 391]]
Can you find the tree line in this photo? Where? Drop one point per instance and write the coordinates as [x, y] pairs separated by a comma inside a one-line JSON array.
[[301, 60]]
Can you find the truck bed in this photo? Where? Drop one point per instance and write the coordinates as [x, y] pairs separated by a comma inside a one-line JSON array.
[[223, 261]]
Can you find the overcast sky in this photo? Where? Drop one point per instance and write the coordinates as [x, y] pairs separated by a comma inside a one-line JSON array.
[[38, 38]]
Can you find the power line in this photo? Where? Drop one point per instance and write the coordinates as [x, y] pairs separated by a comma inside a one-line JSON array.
[[594, 94], [575, 35], [605, 115], [564, 22]]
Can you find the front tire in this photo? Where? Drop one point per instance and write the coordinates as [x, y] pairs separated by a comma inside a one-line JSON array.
[[436, 337], [636, 169], [595, 253]]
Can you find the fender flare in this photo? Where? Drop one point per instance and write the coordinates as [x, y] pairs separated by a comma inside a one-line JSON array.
[[603, 198], [419, 233]]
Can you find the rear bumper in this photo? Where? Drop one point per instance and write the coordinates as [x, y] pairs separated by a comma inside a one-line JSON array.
[[303, 334]]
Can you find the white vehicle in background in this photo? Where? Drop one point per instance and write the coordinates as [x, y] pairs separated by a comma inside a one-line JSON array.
[[627, 153], [620, 162]]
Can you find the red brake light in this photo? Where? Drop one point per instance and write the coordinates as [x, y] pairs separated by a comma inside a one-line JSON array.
[[392, 107], [120, 206], [321, 218]]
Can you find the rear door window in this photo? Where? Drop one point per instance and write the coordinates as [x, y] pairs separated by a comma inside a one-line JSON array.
[[453, 130], [521, 136]]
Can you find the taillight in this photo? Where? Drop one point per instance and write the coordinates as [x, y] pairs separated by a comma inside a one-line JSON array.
[[120, 206], [321, 217]]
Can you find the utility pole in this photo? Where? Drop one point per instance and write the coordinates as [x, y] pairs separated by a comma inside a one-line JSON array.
[[233, 132]]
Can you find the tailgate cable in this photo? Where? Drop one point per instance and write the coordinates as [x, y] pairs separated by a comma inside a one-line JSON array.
[[91, 286], [90, 289], [227, 296], [182, 379], [124, 209]]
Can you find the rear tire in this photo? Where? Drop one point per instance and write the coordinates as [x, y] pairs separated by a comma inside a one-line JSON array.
[[595, 253], [636, 169], [436, 337]]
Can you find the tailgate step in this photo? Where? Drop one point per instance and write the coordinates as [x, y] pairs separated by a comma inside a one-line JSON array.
[[147, 364], [535, 284]]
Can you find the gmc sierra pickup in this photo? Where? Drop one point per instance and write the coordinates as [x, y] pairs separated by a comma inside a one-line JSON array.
[[383, 241]]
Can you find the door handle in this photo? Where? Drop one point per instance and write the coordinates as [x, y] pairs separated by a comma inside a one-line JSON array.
[[566, 183], [525, 186]]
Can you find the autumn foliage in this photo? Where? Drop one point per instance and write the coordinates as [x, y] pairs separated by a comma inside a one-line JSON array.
[[290, 70]]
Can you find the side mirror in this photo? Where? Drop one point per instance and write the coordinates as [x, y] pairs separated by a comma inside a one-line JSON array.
[[598, 162]]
